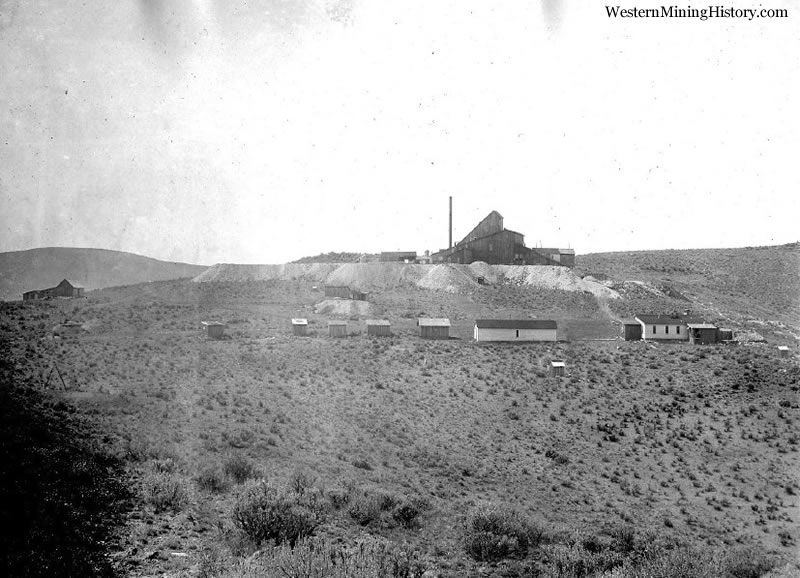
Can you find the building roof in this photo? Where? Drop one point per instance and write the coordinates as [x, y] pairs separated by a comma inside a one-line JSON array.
[[433, 322], [567, 251], [660, 319], [700, 326], [212, 324], [75, 285], [558, 364], [299, 321], [783, 348], [337, 322], [516, 324], [377, 322]]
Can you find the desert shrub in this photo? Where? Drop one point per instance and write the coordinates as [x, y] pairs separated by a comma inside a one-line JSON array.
[[164, 491], [338, 497], [239, 468], [320, 558], [406, 513], [747, 563], [265, 512], [364, 508], [494, 533], [212, 479], [300, 482]]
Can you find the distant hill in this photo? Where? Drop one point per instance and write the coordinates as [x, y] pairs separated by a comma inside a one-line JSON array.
[[93, 268]]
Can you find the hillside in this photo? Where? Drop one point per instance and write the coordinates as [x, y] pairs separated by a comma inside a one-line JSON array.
[[752, 284], [22, 271]]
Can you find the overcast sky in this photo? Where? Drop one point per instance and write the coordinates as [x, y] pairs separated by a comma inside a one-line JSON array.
[[262, 131]]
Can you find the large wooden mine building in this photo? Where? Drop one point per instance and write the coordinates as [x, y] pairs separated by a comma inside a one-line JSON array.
[[491, 242]]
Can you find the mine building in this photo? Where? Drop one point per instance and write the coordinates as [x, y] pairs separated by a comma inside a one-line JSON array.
[[491, 242], [379, 327], [515, 330], [434, 328], [66, 288], [398, 256]]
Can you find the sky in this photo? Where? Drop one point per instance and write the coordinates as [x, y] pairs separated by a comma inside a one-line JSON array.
[[210, 131]]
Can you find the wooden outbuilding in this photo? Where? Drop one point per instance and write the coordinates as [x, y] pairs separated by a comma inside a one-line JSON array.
[[632, 330], [214, 329], [702, 333], [725, 334], [337, 328], [515, 330], [783, 351], [434, 328], [558, 368], [357, 295], [379, 327], [300, 326]]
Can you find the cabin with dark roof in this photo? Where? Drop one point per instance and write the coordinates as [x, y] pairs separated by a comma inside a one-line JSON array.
[[515, 330]]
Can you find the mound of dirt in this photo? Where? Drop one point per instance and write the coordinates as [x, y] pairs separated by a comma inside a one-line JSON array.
[[483, 269], [345, 308], [553, 277], [366, 276], [313, 272], [447, 278]]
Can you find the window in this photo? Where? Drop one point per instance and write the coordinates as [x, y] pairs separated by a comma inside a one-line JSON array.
[[678, 329], [654, 329], [517, 332], [666, 330]]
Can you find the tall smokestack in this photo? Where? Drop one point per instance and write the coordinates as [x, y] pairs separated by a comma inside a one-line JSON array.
[[450, 239]]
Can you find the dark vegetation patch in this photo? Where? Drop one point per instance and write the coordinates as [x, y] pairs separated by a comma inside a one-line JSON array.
[[62, 495]]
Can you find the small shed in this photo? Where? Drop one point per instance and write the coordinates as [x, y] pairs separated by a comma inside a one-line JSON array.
[[632, 330], [300, 326], [379, 327], [725, 334], [337, 328], [30, 295], [341, 291], [434, 328], [558, 368], [214, 329], [702, 333], [783, 351]]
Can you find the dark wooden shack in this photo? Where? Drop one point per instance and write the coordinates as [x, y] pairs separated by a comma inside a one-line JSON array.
[[434, 328], [632, 330], [337, 328], [702, 333], [379, 327]]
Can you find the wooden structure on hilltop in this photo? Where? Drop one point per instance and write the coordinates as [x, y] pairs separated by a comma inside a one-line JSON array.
[[434, 328], [379, 327], [491, 242], [515, 330], [337, 328], [783, 351], [66, 288], [299, 326]]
